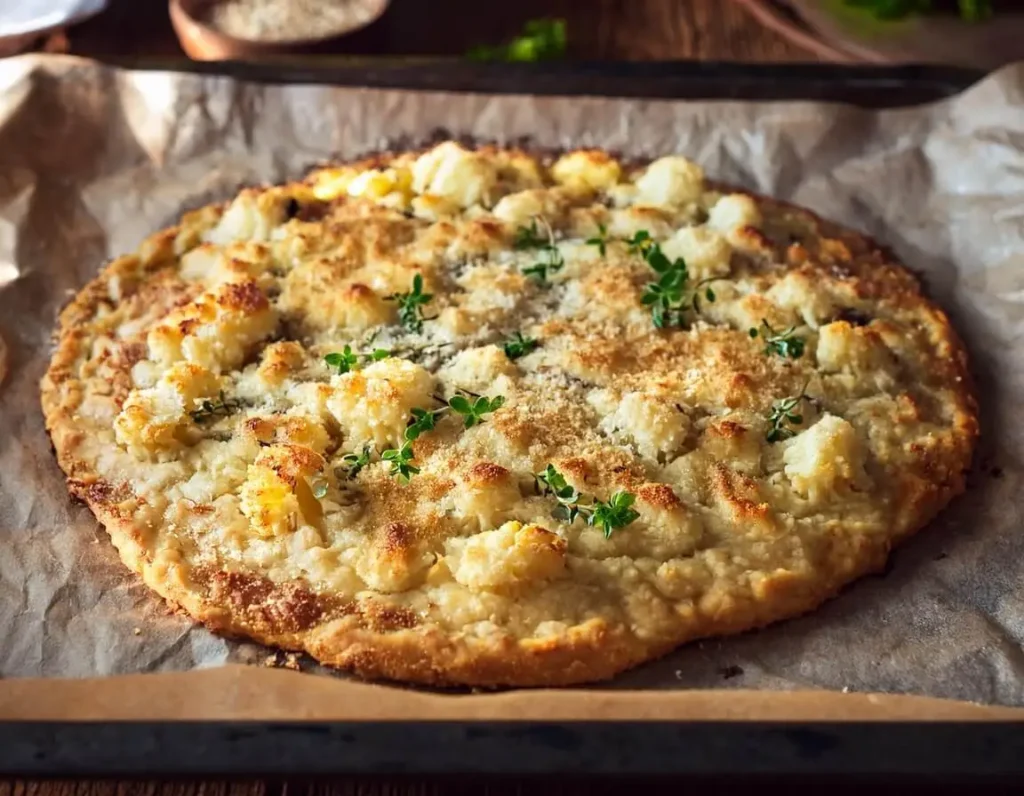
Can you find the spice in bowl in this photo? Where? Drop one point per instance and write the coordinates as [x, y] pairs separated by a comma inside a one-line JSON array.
[[288, 20]]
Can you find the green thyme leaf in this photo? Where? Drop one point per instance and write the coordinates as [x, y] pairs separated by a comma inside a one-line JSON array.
[[530, 237], [218, 407], [616, 513], [783, 416], [473, 411], [423, 420], [785, 343], [400, 460], [410, 305], [352, 463], [519, 346], [344, 361], [600, 240]]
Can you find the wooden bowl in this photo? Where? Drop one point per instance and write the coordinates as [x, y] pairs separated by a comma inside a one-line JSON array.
[[203, 42]]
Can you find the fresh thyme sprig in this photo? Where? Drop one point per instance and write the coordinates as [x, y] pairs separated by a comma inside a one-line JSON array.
[[518, 346], [347, 359], [410, 305], [670, 296], [783, 415], [785, 343], [473, 411], [424, 420], [530, 237], [550, 259], [401, 462], [553, 482], [221, 406], [616, 513], [600, 240], [353, 463]]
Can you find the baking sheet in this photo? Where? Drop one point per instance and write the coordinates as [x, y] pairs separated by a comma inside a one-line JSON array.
[[92, 159]]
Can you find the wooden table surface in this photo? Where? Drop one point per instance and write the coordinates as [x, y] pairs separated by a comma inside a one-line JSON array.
[[598, 29]]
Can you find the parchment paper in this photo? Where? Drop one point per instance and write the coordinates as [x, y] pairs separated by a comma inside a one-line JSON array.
[[92, 159]]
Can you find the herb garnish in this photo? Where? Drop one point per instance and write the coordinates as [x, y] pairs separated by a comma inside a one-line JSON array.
[[542, 39], [616, 513], [784, 343], [600, 240], [551, 260], [410, 305], [783, 415], [473, 411], [347, 359], [670, 297], [352, 463], [424, 420], [401, 462], [519, 346], [970, 10], [530, 237], [553, 482], [218, 407]]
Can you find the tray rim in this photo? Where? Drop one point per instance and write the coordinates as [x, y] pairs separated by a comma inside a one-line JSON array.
[[867, 85], [976, 751]]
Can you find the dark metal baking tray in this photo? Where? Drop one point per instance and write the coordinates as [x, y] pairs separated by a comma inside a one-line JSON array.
[[915, 752], [941, 752], [870, 86]]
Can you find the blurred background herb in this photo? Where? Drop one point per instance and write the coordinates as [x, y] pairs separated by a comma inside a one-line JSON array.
[[970, 10], [541, 40]]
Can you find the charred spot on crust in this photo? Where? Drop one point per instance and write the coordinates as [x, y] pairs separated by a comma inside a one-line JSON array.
[[853, 317], [291, 208]]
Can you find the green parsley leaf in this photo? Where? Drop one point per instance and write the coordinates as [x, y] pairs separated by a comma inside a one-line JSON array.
[[473, 411], [785, 343], [401, 462], [519, 346], [600, 240], [541, 40], [376, 355], [218, 407], [352, 463], [616, 513], [410, 305]]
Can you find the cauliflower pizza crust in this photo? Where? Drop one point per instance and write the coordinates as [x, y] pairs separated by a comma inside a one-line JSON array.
[[474, 416]]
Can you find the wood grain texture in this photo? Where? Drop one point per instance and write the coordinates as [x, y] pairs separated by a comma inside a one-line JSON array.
[[598, 30]]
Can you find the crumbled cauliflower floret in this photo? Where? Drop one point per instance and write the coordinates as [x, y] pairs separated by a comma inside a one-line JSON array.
[[510, 556], [825, 459]]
